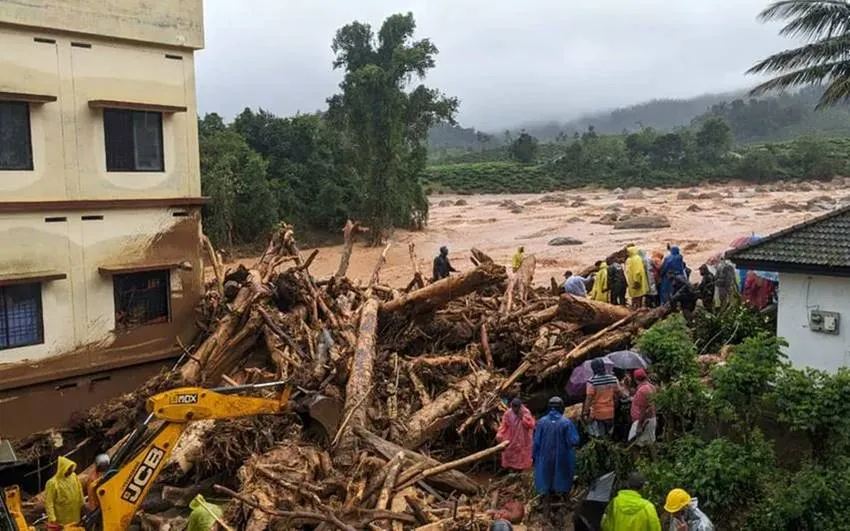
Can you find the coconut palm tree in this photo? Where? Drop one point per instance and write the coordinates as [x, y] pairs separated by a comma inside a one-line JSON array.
[[825, 24]]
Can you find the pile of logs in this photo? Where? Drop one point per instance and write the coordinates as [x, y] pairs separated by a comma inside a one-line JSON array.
[[422, 374]]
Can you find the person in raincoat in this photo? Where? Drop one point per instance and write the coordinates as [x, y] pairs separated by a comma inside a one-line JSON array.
[[636, 277], [707, 284], [554, 452], [617, 283], [519, 256], [201, 518], [685, 512], [674, 263], [517, 427], [629, 511], [651, 298], [725, 281], [63, 495], [600, 291]]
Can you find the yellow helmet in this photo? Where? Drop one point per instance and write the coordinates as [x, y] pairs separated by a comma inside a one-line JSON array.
[[677, 499]]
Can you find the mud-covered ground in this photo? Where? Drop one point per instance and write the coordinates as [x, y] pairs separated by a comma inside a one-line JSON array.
[[702, 222]]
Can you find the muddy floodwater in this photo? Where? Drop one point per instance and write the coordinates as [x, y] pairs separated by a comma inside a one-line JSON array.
[[702, 222]]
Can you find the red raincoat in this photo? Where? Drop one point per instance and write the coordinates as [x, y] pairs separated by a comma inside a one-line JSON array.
[[519, 430]]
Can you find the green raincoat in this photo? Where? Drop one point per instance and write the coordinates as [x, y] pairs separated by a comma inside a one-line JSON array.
[[63, 494], [200, 518], [629, 512]]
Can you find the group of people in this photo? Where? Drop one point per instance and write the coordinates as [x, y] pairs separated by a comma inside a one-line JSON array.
[[65, 503], [548, 445], [604, 391]]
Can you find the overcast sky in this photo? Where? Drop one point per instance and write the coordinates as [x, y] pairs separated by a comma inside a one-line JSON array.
[[509, 61]]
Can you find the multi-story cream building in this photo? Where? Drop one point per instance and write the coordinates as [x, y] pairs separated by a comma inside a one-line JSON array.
[[100, 195]]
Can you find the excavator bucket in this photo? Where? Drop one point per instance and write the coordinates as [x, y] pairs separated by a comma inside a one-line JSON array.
[[325, 411]]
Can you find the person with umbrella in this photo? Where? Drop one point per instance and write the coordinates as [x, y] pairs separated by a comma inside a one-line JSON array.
[[644, 423], [602, 389], [554, 454], [517, 427]]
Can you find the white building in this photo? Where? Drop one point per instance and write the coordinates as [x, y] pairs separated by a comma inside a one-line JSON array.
[[813, 262]]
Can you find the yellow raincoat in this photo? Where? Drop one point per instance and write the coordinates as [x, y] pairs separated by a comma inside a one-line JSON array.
[[63, 495], [601, 291], [636, 274], [517, 260]]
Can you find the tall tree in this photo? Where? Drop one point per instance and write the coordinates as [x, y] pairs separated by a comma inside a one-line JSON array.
[[826, 25], [386, 122], [714, 139], [524, 148]]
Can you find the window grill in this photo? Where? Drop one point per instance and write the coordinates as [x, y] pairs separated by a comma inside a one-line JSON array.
[[15, 137], [133, 140], [141, 299], [21, 318]]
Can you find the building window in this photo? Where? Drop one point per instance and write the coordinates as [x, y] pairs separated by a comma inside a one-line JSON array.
[[21, 320], [133, 140], [141, 299], [15, 138]]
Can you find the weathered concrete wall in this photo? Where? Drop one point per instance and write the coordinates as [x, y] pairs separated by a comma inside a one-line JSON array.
[[798, 294], [68, 147], [168, 22], [79, 311]]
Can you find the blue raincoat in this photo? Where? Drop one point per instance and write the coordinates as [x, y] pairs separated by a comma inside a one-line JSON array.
[[673, 263], [554, 453]]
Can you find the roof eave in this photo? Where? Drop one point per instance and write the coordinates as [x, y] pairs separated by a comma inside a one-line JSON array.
[[799, 269]]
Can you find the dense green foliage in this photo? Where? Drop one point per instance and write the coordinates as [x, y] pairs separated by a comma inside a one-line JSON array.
[[387, 125], [714, 330], [524, 148], [670, 347], [362, 159], [652, 158], [712, 444]]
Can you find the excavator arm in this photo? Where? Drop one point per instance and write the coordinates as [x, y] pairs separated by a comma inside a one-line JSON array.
[[140, 461]]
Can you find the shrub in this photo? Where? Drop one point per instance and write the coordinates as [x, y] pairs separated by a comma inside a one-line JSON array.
[[813, 499], [600, 456], [722, 474], [683, 404], [729, 326], [668, 344]]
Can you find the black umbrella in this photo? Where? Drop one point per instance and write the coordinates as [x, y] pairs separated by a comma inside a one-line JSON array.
[[628, 360]]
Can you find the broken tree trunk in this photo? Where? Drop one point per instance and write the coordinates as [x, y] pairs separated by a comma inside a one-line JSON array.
[[452, 480], [606, 339], [615, 257], [588, 312], [479, 257], [389, 481], [348, 233], [418, 280], [427, 423], [525, 276], [360, 382], [436, 295]]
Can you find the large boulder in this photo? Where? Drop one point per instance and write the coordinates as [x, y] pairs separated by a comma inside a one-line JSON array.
[[565, 240], [710, 195], [643, 222], [608, 219], [633, 193], [804, 187], [461, 202], [445, 203], [555, 198], [694, 208], [686, 196]]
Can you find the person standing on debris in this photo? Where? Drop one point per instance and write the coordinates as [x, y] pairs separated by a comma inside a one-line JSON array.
[[600, 291], [617, 283], [63, 495], [685, 513], [638, 286], [575, 285], [629, 511], [651, 298], [674, 263], [706, 288], [644, 423], [602, 389], [726, 282], [517, 427], [203, 516], [442, 266], [554, 454], [684, 295], [101, 465], [519, 256]]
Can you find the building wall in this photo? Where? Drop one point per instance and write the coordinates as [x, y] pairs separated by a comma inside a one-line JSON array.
[[69, 158], [798, 294], [168, 22], [79, 311]]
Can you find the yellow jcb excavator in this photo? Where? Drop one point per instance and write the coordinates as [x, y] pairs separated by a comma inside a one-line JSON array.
[[136, 465]]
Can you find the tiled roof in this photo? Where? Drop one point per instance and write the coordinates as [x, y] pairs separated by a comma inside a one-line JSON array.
[[822, 242]]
